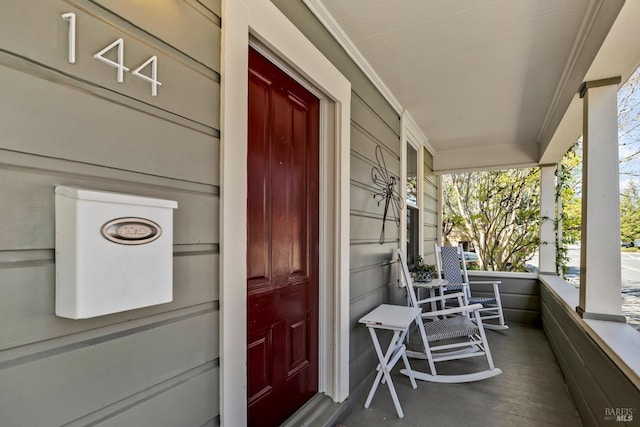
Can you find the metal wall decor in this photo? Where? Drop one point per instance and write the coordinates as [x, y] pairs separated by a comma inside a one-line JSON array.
[[386, 184]]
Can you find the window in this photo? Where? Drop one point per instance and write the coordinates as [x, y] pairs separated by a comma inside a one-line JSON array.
[[411, 199]]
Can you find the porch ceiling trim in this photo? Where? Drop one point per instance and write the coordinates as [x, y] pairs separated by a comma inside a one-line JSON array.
[[580, 53], [618, 55], [328, 21], [598, 83], [487, 158], [413, 131], [596, 22]]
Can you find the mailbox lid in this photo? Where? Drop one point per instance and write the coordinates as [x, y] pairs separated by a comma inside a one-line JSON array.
[[103, 196]]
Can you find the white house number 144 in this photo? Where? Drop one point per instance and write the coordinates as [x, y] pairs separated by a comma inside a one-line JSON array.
[[118, 64]]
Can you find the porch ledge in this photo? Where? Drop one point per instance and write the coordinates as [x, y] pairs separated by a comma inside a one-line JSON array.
[[505, 274], [619, 341]]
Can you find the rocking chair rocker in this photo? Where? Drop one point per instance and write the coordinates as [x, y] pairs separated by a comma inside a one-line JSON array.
[[443, 327]]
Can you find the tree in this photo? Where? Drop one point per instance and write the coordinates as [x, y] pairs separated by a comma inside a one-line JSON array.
[[629, 126], [499, 210], [569, 189], [500, 213], [630, 213]]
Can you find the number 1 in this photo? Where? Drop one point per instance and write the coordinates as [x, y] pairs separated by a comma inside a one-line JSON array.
[[71, 18]]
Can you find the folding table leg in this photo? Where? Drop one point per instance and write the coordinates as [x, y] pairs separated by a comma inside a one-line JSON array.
[[405, 360], [384, 370]]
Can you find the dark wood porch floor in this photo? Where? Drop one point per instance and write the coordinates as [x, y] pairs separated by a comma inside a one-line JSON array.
[[530, 391]]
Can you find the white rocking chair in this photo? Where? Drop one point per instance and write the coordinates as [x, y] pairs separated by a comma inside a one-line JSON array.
[[451, 266], [441, 328]]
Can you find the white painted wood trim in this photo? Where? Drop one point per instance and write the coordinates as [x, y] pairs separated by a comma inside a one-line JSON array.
[[574, 55], [487, 158], [600, 277], [402, 188], [326, 19], [233, 218], [266, 23], [420, 190], [547, 220], [412, 134], [413, 131], [503, 274], [439, 233]]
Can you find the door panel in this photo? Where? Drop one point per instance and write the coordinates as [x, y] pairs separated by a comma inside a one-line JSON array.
[[282, 244], [258, 159]]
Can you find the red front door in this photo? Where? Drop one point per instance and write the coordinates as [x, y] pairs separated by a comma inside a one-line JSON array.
[[282, 244]]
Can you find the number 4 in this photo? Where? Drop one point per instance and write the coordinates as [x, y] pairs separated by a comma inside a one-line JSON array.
[[120, 64], [154, 74]]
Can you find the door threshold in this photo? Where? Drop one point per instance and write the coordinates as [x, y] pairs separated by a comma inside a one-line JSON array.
[[320, 410]]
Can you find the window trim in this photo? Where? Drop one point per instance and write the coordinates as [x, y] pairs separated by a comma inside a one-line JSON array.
[[410, 133]]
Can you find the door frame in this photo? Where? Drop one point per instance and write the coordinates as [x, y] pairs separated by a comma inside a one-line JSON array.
[[263, 21]]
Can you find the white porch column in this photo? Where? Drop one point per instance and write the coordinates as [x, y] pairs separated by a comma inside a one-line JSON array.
[[547, 260], [559, 214], [600, 288]]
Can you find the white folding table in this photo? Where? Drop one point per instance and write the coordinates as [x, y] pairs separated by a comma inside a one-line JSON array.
[[396, 318]]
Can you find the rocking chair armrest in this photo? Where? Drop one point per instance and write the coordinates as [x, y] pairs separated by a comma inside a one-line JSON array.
[[455, 284], [454, 310], [441, 297]]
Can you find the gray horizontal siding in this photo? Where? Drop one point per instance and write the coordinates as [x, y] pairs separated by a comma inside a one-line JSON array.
[[74, 125], [366, 229], [520, 297], [156, 406], [213, 5], [27, 296], [594, 381], [374, 254], [202, 20], [80, 378], [97, 28], [28, 196], [80, 126], [368, 118]]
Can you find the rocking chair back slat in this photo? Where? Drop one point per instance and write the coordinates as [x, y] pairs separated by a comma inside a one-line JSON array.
[[451, 265]]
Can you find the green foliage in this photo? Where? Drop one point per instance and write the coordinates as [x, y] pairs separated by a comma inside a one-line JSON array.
[[412, 189], [568, 187], [421, 267], [423, 272], [630, 213], [499, 211]]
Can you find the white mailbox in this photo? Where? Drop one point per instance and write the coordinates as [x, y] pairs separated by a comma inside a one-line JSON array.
[[114, 252]]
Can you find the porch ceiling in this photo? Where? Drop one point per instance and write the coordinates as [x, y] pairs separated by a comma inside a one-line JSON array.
[[488, 82]]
